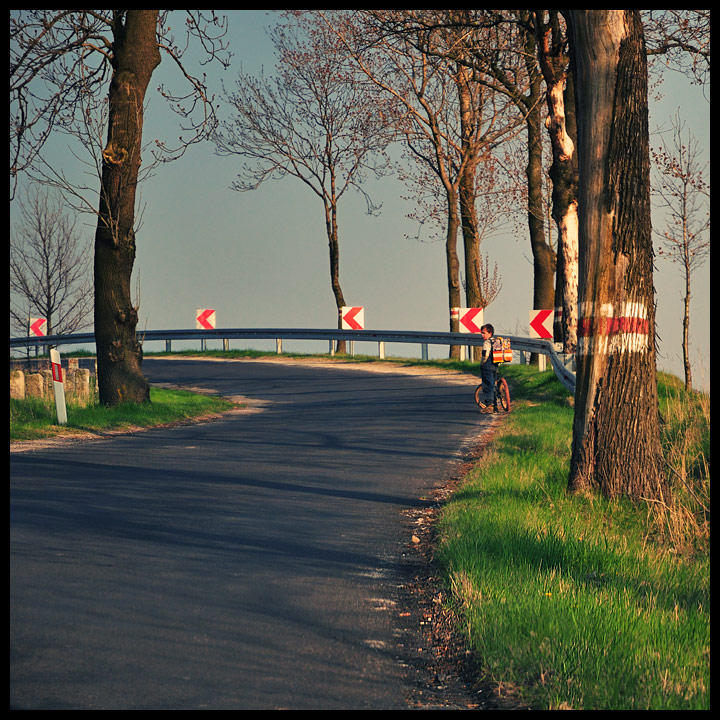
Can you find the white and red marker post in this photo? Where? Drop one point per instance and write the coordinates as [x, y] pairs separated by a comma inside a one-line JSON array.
[[353, 318], [58, 386]]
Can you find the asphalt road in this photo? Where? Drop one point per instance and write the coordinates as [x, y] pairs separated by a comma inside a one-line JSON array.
[[249, 562]]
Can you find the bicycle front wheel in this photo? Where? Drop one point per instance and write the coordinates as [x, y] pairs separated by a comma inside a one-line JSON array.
[[479, 394], [503, 394]]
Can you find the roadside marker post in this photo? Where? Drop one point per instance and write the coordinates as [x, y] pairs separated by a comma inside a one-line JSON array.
[[36, 328], [470, 320], [58, 386], [204, 320], [541, 326]]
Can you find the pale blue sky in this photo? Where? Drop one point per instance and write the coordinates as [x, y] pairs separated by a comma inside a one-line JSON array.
[[260, 258]]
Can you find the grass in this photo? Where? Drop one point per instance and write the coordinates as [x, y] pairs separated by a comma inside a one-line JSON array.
[[32, 419], [577, 602]]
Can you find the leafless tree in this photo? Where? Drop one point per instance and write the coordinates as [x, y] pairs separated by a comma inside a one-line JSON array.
[[449, 125], [684, 196], [313, 121], [61, 61], [50, 267]]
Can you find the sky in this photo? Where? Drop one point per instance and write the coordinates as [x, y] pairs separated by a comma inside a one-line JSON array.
[[260, 258]]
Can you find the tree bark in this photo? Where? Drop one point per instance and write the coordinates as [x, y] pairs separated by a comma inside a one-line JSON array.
[[453, 265], [331, 227], [544, 259], [468, 192], [543, 255], [616, 444], [119, 355], [560, 93], [686, 325]]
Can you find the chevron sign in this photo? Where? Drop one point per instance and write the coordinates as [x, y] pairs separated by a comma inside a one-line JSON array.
[[353, 318], [541, 324], [204, 319], [470, 320], [37, 326]]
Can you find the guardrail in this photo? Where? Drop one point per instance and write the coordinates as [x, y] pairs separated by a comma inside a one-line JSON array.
[[531, 345]]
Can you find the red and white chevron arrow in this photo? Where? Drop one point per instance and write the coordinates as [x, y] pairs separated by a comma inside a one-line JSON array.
[[541, 322], [470, 319], [205, 319], [353, 318], [37, 326]]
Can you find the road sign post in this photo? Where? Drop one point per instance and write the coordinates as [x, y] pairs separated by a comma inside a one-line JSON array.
[[541, 326], [58, 386], [470, 320], [36, 328], [204, 320]]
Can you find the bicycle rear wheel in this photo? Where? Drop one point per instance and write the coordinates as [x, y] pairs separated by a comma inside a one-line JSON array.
[[503, 394]]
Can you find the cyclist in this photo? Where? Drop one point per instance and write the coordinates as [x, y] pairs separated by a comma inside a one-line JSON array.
[[488, 370]]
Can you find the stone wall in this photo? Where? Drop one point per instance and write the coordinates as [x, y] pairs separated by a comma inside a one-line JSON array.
[[80, 386]]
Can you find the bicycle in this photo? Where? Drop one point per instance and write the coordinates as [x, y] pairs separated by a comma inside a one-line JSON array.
[[502, 395]]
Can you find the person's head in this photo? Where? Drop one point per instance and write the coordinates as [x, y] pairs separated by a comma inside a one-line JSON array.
[[487, 331]]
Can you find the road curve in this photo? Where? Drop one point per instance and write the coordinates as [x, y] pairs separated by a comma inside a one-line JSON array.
[[249, 562]]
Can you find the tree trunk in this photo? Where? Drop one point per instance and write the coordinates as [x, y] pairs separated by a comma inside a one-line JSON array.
[[686, 325], [453, 266], [563, 171], [616, 443], [544, 260], [468, 193], [331, 228], [119, 355]]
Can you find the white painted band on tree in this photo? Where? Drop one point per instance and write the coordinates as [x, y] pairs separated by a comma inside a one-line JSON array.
[[607, 333]]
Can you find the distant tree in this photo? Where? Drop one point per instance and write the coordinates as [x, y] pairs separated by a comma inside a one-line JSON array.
[[49, 268], [313, 122], [60, 61], [616, 438], [448, 123], [684, 196]]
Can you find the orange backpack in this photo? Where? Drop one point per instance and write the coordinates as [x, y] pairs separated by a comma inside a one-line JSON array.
[[502, 352]]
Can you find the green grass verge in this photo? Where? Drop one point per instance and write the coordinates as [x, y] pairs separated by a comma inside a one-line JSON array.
[[33, 418], [571, 602]]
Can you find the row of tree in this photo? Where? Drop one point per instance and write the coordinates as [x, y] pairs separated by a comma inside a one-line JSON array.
[[455, 86]]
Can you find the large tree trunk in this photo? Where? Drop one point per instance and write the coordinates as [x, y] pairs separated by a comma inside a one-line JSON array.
[[616, 445], [119, 355]]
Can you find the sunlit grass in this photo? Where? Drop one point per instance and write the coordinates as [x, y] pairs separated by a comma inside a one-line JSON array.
[[35, 418], [574, 600]]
